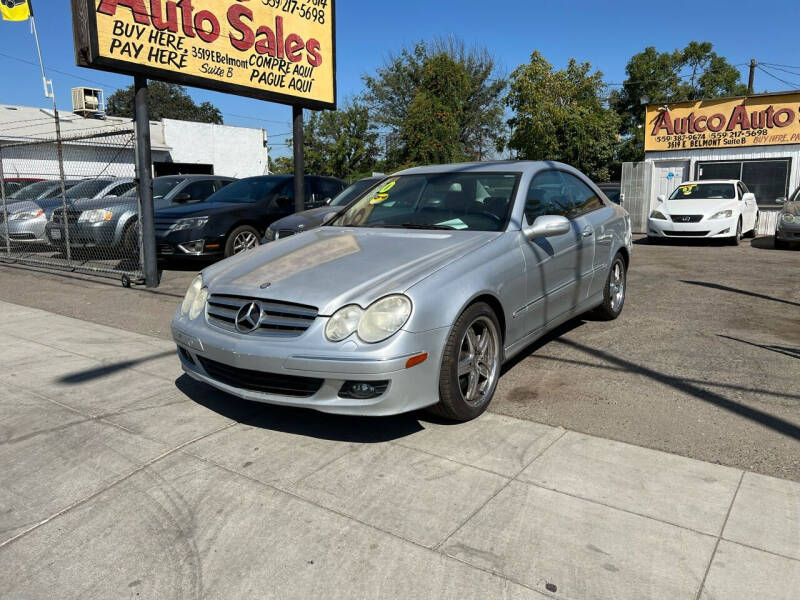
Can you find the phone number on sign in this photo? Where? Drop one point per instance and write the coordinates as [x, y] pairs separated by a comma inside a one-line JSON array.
[[311, 10]]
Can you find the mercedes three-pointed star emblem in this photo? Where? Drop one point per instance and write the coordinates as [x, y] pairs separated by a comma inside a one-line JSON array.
[[248, 317]]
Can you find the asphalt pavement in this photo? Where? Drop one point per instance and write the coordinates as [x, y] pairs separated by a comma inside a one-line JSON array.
[[704, 362]]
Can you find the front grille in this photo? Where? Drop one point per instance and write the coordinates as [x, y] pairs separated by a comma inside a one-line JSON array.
[[164, 249], [277, 319], [72, 216], [686, 233], [257, 381], [686, 218], [22, 236], [162, 226]]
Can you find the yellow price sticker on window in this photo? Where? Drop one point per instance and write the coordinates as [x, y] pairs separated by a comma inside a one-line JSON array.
[[687, 189], [383, 193]]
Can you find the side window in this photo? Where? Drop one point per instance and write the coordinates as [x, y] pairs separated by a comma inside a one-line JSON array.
[[199, 190], [121, 188], [220, 183], [285, 195], [547, 196], [327, 188], [582, 197]]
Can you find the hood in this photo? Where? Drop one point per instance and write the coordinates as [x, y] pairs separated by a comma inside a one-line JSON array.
[[196, 209], [698, 206], [105, 202], [331, 267], [308, 218], [23, 206], [792, 208]]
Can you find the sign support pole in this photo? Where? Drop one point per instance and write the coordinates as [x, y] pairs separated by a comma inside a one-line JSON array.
[[144, 162], [299, 160]]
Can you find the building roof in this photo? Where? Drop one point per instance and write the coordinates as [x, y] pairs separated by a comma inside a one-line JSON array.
[[27, 123]]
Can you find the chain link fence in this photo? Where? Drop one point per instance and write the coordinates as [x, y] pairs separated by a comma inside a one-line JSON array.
[[71, 202]]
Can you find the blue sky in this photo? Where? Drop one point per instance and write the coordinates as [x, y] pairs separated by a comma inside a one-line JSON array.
[[604, 33]]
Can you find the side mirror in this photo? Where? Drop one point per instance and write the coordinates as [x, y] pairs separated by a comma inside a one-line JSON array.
[[661, 198], [182, 197], [329, 217], [547, 226], [749, 196]]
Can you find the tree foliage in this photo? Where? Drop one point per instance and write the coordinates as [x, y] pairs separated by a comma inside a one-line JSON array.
[[165, 101], [560, 115], [691, 73], [397, 97]]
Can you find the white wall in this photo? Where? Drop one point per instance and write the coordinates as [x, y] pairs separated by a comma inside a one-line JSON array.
[[234, 151]]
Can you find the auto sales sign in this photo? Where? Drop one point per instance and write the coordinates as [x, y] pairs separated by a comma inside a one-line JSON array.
[[277, 50], [763, 120]]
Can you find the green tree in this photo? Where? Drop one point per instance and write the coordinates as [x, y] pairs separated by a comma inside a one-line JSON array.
[[165, 101], [692, 73], [341, 143], [397, 84], [282, 165], [560, 115]]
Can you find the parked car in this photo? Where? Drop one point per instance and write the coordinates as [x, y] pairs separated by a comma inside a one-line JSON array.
[[27, 220], [234, 219], [110, 222], [720, 208], [787, 230], [612, 190], [40, 190], [309, 219], [14, 184], [413, 296]]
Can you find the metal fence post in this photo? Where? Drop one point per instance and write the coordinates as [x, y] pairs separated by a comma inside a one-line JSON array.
[[144, 162], [62, 177], [5, 207], [299, 159]]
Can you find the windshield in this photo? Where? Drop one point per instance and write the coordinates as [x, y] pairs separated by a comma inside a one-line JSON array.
[[35, 190], [474, 201], [247, 190], [350, 193], [704, 191], [88, 189]]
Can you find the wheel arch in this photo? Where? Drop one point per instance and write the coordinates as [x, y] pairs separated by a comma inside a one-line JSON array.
[[495, 304]]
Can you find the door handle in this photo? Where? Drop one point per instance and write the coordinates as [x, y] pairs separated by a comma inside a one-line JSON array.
[[588, 231]]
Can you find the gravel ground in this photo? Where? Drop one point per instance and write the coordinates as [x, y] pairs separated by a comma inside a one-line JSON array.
[[704, 362]]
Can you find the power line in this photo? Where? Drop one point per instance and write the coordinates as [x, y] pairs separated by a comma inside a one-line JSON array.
[[792, 85], [771, 66]]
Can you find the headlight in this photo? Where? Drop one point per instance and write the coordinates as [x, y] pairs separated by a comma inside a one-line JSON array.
[[189, 223], [95, 216], [723, 214], [191, 294], [789, 218], [269, 236], [384, 318], [199, 304], [380, 321], [24, 216], [657, 214], [343, 323]]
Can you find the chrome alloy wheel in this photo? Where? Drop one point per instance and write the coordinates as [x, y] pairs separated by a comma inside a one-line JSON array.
[[616, 285], [478, 361], [246, 240]]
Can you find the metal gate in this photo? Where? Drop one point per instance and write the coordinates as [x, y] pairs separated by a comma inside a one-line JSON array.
[[72, 203], [635, 192]]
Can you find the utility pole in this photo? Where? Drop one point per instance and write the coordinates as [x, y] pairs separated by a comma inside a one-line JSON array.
[[144, 165], [299, 159], [753, 65]]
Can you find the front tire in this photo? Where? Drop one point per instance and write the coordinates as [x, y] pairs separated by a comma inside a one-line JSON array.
[[241, 239], [734, 241], [752, 232], [470, 364], [614, 290]]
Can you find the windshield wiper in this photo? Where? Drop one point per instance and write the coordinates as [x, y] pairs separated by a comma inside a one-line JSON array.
[[423, 226]]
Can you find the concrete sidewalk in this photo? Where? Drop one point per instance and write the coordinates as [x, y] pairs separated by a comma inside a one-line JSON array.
[[119, 477]]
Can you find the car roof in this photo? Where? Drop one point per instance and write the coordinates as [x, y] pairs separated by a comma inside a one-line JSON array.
[[496, 166], [731, 181]]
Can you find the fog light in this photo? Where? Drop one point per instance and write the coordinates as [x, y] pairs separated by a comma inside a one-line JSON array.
[[726, 230], [195, 247], [363, 390]]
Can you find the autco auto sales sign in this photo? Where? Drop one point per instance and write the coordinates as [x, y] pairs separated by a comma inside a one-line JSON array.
[[277, 50], [765, 120]]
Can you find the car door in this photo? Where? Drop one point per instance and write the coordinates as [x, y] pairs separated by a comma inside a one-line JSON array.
[[553, 265]]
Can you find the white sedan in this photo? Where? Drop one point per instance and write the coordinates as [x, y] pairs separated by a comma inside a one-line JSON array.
[[722, 208]]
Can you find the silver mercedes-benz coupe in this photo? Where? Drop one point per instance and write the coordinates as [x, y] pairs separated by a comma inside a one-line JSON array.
[[414, 295]]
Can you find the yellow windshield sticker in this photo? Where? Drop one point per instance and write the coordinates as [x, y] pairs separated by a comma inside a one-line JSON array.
[[383, 193], [687, 189]]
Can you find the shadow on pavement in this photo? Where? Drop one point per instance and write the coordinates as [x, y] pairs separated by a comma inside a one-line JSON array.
[[301, 421], [543, 341], [786, 350], [725, 288], [105, 370]]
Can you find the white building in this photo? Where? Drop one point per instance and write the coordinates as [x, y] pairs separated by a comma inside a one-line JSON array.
[[99, 145], [754, 138]]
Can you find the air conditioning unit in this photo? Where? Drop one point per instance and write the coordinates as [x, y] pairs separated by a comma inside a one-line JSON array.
[[88, 102]]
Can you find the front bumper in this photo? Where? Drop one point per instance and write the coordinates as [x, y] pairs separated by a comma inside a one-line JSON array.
[[29, 231], [788, 232], [718, 228], [188, 243], [311, 356], [83, 235]]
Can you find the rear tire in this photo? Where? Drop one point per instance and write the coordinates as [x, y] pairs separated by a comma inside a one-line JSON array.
[[470, 364], [614, 290], [240, 239]]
